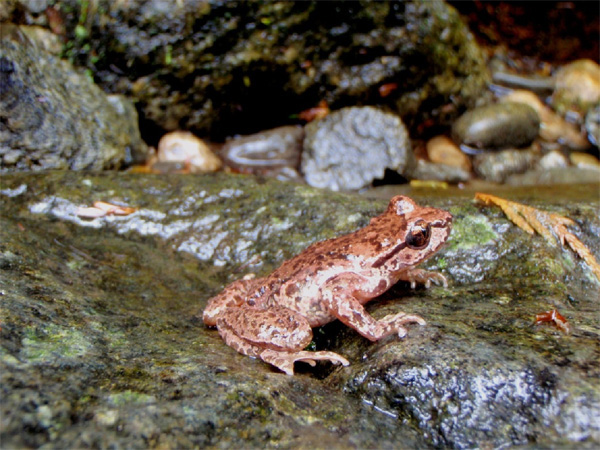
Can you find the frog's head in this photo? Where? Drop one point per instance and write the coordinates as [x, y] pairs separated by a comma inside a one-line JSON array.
[[415, 233]]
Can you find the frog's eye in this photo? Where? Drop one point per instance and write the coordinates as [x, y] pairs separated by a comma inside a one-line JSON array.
[[419, 234]]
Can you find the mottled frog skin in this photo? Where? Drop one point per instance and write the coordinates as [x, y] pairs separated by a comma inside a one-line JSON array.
[[272, 317]]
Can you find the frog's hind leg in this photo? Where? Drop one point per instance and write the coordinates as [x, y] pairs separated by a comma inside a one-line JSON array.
[[277, 335], [284, 361]]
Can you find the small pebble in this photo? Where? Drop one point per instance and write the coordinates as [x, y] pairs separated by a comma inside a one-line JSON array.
[[552, 160], [266, 151], [497, 126], [577, 86], [184, 147], [497, 166], [443, 150], [440, 172], [584, 161], [553, 128]]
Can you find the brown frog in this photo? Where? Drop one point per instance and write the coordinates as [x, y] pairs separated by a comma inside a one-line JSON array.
[[271, 317]]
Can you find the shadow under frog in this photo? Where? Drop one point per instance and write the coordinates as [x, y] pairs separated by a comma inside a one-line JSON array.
[[272, 317]]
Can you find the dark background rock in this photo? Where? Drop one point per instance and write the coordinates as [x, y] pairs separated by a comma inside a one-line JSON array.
[[101, 346], [552, 31], [52, 117], [351, 147], [226, 67]]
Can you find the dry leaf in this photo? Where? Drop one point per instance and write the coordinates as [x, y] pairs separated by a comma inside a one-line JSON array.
[[534, 220], [101, 209]]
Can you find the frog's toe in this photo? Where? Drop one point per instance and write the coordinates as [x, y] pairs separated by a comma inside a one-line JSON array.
[[281, 360], [437, 278], [311, 357]]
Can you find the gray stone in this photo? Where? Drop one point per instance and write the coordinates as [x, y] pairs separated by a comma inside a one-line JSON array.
[[351, 147], [497, 166], [497, 126], [52, 117], [273, 152]]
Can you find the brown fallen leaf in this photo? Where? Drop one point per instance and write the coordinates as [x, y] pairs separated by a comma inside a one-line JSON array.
[[544, 223]]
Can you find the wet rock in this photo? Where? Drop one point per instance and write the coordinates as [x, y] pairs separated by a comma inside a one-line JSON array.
[[577, 86], [351, 147], [443, 150], [426, 170], [497, 126], [183, 147], [497, 166], [541, 85], [274, 152], [99, 346], [52, 117], [592, 125], [553, 128], [562, 175], [226, 67]]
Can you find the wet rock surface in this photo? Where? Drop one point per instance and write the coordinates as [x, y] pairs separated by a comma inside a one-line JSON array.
[[229, 67], [497, 126], [559, 176], [351, 147], [100, 344], [52, 117]]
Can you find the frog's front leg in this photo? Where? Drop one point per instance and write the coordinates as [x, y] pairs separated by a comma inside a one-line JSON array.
[[342, 304], [422, 276], [276, 334]]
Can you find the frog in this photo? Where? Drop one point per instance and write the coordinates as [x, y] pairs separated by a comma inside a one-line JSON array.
[[272, 317]]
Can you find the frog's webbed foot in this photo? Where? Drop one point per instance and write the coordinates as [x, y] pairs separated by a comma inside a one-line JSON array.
[[425, 277], [284, 361], [394, 323]]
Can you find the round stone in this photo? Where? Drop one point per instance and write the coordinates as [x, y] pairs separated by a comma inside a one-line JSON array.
[[353, 146], [497, 126]]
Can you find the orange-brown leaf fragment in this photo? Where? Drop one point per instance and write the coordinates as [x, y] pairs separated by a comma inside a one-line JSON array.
[[544, 223], [318, 112], [556, 318], [101, 209]]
